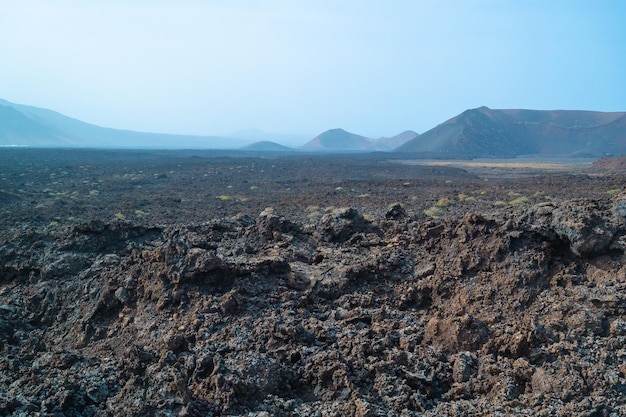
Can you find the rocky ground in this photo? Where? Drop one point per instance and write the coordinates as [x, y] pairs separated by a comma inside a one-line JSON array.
[[198, 284]]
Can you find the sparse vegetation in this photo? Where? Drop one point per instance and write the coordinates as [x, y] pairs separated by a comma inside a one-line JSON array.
[[465, 197], [443, 202], [434, 212], [519, 201]]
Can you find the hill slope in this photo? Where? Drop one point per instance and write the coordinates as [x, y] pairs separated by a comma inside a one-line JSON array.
[[267, 146], [32, 126], [338, 140], [17, 128], [617, 163], [509, 133], [397, 140]]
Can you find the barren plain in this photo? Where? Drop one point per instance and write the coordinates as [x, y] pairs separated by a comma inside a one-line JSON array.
[[190, 283]]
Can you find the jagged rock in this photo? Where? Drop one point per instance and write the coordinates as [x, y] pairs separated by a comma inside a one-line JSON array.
[[578, 223], [341, 224], [272, 226], [455, 334], [465, 366], [395, 212], [6, 330], [491, 310]]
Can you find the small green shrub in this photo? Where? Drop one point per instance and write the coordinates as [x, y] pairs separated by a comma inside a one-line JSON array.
[[520, 201], [434, 212], [443, 202]]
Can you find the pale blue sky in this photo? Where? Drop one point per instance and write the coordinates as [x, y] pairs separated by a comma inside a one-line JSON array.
[[375, 68]]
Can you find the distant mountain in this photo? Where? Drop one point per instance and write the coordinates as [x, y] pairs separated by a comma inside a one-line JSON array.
[[255, 135], [397, 140], [267, 146], [481, 132], [338, 140], [18, 129], [32, 126], [484, 132]]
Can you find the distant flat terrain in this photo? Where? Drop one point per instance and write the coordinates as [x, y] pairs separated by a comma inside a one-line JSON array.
[[518, 167]]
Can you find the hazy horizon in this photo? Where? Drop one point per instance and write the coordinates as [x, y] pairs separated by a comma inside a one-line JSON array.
[[299, 68]]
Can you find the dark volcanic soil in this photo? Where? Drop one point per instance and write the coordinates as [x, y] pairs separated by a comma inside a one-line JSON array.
[[198, 284]]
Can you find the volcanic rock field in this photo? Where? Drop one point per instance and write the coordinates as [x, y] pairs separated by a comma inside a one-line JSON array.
[[192, 283]]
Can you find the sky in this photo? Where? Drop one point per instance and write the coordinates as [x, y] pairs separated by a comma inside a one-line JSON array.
[[375, 68]]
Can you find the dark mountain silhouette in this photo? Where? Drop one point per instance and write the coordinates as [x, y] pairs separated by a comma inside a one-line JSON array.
[[484, 132], [267, 146], [32, 126]]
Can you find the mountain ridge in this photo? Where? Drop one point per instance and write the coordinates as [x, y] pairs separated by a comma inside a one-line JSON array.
[[478, 132], [42, 127], [484, 132], [338, 139], [267, 146]]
